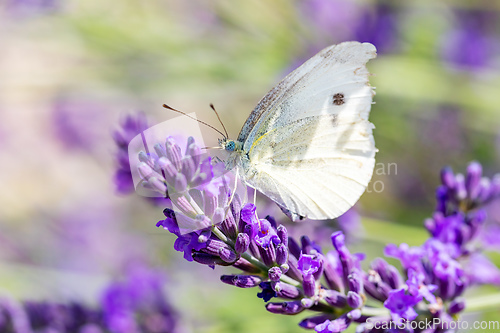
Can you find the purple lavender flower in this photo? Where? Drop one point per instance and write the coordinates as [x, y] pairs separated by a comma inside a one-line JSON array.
[[401, 305], [198, 190], [31, 7], [350, 223], [333, 326], [331, 18], [75, 123], [471, 43], [131, 126], [136, 304], [334, 285], [344, 20], [480, 270], [379, 26]]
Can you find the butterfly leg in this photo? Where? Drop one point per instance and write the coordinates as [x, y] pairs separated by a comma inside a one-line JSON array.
[[232, 192]]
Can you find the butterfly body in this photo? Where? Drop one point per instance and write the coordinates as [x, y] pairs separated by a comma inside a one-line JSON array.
[[308, 145]]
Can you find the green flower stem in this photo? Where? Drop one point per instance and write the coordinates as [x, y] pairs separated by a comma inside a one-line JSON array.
[[264, 269], [375, 312], [290, 281], [221, 236], [482, 303], [255, 261]]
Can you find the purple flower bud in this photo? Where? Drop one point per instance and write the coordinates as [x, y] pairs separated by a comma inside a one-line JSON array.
[[284, 290], [228, 255], [495, 187], [271, 220], [169, 170], [346, 259], [236, 209], [312, 322], [144, 158], [472, 179], [193, 150], [214, 245], [334, 298], [282, 234], [294, 247], [209, 203], [309, 285], [456, 306], [208, 259], [229, 226], [333, 326], [332, 271], [375, 287], [268, 254], [355, 282], [160, 150], [281, 254], [286, 308], [319, 272], [173, 152], [246, 266], [484, 190], [188, 167], [157, 185], [430, 225], [354, 300], [145, 170], [294, 271], [180, 183], [241, 281], [274, 273], [441, 199], [307, 302], [460, 190], [242, 242], [354, 314], [307, 245], [448, 178]]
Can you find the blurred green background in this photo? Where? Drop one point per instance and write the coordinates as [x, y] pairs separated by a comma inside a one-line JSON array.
[[70, 70]]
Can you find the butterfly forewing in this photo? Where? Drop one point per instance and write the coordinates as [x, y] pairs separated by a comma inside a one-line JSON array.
[[309, 142]]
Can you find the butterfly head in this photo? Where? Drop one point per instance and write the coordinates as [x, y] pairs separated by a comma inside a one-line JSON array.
[[230, 145]]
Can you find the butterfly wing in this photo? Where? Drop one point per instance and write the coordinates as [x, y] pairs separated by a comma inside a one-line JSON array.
[[309, 143]]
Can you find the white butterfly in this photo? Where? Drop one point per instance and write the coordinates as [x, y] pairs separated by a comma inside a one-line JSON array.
[[308, 144]]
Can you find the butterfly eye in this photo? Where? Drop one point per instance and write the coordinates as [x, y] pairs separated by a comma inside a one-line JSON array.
[[230, 146]]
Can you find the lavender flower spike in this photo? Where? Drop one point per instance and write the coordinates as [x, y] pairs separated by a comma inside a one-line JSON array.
[[333, 286], [198, 190]]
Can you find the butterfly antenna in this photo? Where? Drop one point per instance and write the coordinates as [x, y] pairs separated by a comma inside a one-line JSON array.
[[217, 114], [211, 148], [190, 117]]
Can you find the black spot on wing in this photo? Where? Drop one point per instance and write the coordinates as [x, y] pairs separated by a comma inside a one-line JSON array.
[[338, 99]]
